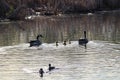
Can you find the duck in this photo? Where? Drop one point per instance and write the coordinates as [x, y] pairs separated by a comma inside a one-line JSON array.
[[51, 67], [36, 42], [64, 43], [83, 41], [41, 72], [56, 43]]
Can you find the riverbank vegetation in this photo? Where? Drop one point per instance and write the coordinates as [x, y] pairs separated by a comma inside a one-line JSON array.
[[18, 9]]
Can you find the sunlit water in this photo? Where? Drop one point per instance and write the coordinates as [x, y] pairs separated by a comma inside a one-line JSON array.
[[100, 61]]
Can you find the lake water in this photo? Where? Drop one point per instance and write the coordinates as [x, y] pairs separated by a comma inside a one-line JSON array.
[[100, 61], [100, 26]]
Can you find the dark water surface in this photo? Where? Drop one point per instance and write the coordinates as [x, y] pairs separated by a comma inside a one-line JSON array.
[[99, 26]]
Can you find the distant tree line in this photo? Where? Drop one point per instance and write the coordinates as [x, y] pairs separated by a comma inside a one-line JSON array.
[[17, 9]]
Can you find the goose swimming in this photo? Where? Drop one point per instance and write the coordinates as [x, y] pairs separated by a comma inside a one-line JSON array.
[[83, 41], [36, 42]]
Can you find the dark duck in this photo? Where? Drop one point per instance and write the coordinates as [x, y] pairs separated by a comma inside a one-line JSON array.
[[41, 72], [83, 41], [51, 67], [36, 42]]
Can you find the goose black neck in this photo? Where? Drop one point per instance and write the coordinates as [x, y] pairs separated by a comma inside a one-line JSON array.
[[38, 37], [85, 34]]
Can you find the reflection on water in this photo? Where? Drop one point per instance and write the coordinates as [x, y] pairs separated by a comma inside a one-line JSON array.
[[100, 61], [99, 26]]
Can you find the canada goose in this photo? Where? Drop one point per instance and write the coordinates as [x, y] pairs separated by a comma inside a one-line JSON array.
[[36, 42], [83, 41]]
